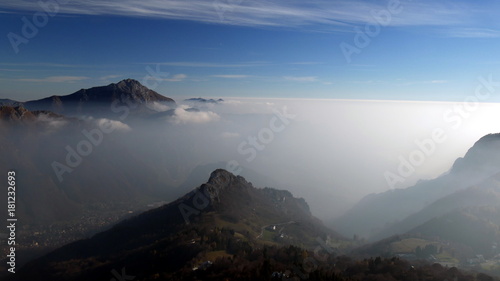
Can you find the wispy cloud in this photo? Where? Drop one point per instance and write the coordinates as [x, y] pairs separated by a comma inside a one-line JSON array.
[[211, 65], [314, 14], [367, 82], [404, 82], [10, 70], [44, 64], [474, 33], [230, 76], [55, 79], [438, 81], [301, 78], [109, 77], [176, 78]]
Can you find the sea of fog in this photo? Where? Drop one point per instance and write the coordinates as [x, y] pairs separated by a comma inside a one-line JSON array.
[[332, 152]]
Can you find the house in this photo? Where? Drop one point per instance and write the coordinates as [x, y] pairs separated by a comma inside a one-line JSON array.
[[203, 266]]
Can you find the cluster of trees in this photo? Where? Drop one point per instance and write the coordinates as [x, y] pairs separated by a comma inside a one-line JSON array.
[[428, 250], [217, 239], [290, 263], [259, 267], [237, 257]]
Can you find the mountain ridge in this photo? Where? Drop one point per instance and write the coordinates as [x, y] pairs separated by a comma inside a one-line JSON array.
[[375, 212], [101, 100], [167, 226]]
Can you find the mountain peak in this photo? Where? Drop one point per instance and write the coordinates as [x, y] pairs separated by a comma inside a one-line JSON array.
[[480, 157], [129, 84], [129, 88], [221, 180], [129, 81], [179, 234], [222, 177]]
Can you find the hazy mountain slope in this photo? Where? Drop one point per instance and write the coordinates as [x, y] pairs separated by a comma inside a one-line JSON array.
[[31, 141], [484, 194], [159, 240], [468, 229], [40, 199], [9, 102], [90, 192], [377, 211]]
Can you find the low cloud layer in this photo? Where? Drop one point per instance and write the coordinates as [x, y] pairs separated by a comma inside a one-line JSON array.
[[53, 124], [184, 115], [331, 152]]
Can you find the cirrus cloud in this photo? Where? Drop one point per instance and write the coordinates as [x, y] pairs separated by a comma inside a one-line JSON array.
[[55, 79], [230, 76], [301, 78], [330, 16]]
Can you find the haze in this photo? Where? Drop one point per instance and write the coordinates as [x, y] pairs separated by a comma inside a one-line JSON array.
[[334, 152], [331, 152]]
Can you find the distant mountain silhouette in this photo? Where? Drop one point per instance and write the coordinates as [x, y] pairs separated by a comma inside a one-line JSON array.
[[115, 99], [9, 102], [374, 215], [202, 100], [487, 193]]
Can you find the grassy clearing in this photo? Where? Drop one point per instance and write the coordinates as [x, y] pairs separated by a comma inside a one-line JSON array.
[[212, 256], [447, 257], [409, 245]]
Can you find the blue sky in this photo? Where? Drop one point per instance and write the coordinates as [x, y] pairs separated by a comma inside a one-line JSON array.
[[426, 50]]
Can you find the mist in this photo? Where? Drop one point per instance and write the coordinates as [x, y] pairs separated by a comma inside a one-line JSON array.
[[81, 173], [334, 152], [330, 152]]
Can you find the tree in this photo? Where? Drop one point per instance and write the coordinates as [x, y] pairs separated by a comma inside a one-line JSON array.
[[418, 252]]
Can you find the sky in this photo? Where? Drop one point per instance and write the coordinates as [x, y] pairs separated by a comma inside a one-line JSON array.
[[367, 50]]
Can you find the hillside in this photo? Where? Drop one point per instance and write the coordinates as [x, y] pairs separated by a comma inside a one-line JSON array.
[[60, 200], [114, 101], [481, 195], [226, 229], [223, 217], [373, 216]]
